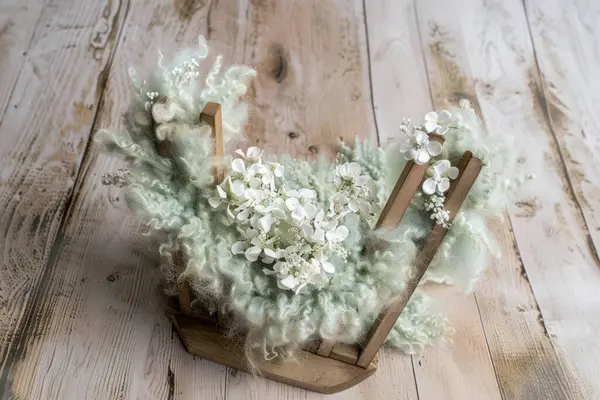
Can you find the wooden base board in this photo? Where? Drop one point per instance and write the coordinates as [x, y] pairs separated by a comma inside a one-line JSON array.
[[310, 371]]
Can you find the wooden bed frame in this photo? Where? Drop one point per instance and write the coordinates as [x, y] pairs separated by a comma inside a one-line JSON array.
[[326, 367]]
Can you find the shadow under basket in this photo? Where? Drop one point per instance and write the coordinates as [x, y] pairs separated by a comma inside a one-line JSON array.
[[325, 367]]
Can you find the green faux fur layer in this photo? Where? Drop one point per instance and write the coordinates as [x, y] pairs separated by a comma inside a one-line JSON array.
[[172, 195]]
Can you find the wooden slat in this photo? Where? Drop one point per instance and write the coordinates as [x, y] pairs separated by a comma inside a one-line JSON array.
[[469, 167], [18, 20], [98, 328], [53, 60], [347, 353], [534, 316], [325, 348], [212, 115]]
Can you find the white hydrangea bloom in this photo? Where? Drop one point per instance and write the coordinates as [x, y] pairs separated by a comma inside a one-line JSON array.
[[286, 227]]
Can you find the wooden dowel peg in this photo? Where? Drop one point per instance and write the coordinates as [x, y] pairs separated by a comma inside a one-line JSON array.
[[212, 115], [469, 168]]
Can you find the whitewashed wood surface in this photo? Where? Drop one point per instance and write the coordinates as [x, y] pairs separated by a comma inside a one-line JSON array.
[[80, 311]]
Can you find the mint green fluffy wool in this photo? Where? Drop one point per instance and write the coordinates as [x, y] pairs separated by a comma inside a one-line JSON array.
[[172, 195]]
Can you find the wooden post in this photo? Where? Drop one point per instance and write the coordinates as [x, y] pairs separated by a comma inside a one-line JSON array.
[[393, 211], [469, 168], [211, 115]]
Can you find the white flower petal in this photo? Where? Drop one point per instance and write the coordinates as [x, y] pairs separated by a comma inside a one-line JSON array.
[[291, 203], [265, 222], [243, 215], [307, 193], [341, 233], [298, 212], [442, 130], [214, 202], [307, 230], [252, 253], [254, 153], [429, 186], [430, 126], [421, 138], [230, 213], [267, 271], [443, 185], [445, 117], [274, 254], [452, 172], [238, 165], [237, 188], [310, 210], [362, 180], [278, 213], [354, 169], [411, 154], [251, 233], [238, 247], [440, 167], [353, 205], [292, 193], [221, 192], [431, 116], [423, 157], [289, 282], [434, 147], [365, 208], [319, 236], [328, 267]]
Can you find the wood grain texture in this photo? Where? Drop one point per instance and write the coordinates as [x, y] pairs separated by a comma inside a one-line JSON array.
[[311, 372], [494, 70], [310, 56], [95, 328], [567, 53], [18, 20], [43, 137], [397, 62], [104, 334]]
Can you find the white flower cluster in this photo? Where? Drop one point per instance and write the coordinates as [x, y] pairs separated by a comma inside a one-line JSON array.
[[419, 147], [152, 98], [187, 73], [290, 229], [435, 205]]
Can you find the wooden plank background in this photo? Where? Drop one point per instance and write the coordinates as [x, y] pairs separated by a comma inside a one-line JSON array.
[[80, 313]]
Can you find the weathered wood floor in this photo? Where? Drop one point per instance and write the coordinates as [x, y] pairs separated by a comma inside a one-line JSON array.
[[80, 314]]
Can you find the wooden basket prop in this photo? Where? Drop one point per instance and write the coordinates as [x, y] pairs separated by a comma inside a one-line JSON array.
[[327, 367]]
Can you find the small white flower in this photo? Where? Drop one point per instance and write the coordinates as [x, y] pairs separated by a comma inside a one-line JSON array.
[[420, 149], [253, 154], [338, 234], [217, 200], [276, 169], [300, 203], [438, 124], [439, 175]]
